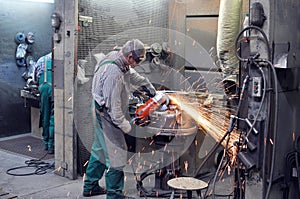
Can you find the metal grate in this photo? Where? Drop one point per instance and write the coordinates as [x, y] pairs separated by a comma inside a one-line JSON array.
[[26, 145], [113, 17], [113, 23]]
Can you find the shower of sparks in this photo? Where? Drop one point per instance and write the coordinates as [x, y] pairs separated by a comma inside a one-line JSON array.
[[212, 122]]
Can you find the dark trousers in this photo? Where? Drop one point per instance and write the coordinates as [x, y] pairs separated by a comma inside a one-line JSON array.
[[101, 157]]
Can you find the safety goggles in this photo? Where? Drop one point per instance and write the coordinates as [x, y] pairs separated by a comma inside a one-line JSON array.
[[135, 57]]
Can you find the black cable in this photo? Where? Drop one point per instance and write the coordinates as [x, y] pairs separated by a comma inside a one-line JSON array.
[[240, 184], [297, 167], [41, 167], [221, 162], [216, 174], [143, 192], [275, 128], [239, 35], [290, 163], [297, 162], [208, 182], [212, 180]]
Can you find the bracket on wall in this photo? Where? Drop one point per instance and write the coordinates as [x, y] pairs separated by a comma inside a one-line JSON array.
[[86, 20]]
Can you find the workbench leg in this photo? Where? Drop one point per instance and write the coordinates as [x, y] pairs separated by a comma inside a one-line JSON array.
[[189, 194], [199, 194]]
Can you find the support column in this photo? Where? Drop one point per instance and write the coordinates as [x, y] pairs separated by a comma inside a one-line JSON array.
[[65, 54]]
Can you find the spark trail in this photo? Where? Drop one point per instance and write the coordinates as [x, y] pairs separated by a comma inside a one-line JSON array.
[[212, 120]]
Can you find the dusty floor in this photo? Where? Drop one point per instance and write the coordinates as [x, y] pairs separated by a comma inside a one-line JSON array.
[[50, 185]]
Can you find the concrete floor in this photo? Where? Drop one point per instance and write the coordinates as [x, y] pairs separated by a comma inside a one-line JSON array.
[[50, 185], [44, 186]]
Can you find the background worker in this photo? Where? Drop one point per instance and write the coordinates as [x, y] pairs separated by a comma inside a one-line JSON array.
[[111, 90], [43, 76]]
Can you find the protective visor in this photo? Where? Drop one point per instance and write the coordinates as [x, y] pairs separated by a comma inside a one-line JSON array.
[[136, 58]]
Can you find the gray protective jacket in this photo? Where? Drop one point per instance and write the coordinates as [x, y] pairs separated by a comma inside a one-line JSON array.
[[111, 88]]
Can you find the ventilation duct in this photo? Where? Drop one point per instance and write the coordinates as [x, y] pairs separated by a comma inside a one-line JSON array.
[[228, 28]]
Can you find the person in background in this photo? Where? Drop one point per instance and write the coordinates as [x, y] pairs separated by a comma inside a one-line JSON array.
[[43, 77], [111, 89]]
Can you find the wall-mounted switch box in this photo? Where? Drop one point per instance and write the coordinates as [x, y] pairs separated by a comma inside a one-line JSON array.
[[256, 86]]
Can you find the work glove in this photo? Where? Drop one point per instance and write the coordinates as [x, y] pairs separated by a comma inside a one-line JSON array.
[[150, 92]]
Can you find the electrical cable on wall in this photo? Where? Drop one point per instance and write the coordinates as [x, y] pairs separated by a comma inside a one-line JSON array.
[[249, 28], [275, 128]]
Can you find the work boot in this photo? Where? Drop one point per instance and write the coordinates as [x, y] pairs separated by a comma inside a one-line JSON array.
[[94, 192]]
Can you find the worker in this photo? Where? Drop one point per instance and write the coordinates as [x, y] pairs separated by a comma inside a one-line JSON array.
[[43, 77], [111, 89]]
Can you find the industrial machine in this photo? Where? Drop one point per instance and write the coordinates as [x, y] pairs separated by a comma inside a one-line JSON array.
[[265, 157], [268, 155]]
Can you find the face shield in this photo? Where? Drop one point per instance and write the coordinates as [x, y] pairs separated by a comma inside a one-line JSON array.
[[138, 59]]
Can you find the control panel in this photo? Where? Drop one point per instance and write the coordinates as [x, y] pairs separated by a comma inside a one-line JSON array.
[[256, 86]]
